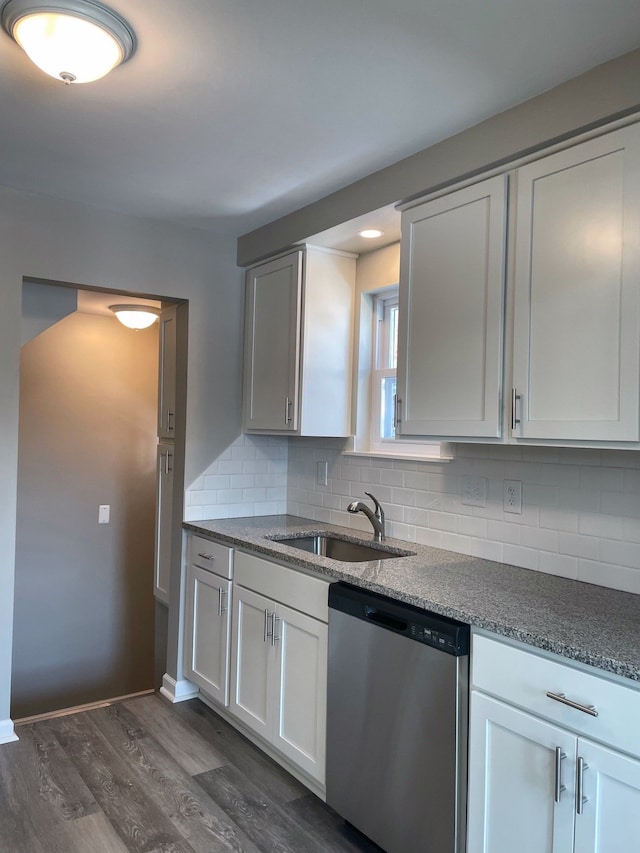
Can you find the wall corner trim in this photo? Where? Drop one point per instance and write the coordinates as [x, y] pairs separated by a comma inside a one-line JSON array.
[[7, 732], [178, 691]]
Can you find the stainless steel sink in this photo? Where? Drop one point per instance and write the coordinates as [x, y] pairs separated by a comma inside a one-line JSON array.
[[340, 549]]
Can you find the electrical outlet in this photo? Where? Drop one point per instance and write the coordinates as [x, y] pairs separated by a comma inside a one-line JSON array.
[[512, 496], [474, 491], [321, 473]]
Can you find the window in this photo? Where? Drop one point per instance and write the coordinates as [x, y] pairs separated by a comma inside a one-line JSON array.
[[375, 379], [384, 368]]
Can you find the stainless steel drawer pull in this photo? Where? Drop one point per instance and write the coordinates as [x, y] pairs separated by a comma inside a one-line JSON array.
[[206, 556], [586, 709], [580, 798], [287, 411], [274, 638], [169, 419], [221, 594], [559, 787]]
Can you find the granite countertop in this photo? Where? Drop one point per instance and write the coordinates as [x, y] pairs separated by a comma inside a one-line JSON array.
[[581, 621]]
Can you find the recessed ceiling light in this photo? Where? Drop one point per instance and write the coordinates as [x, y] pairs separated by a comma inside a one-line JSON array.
[[76, 41], [371, 233], [135, 316]]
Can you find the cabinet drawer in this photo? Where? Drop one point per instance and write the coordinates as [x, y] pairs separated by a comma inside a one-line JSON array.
[[302, 592], [524, 678], [210, 556]]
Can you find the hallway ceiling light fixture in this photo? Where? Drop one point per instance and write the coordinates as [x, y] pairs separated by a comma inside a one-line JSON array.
[[371, 233], [76, 41], [136, 316]]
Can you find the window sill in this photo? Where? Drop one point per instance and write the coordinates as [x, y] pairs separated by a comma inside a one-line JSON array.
[[402, 457]]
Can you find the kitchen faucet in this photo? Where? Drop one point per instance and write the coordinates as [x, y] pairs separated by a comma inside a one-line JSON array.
[[376, 518]]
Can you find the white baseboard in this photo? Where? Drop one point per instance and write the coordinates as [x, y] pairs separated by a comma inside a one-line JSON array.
[[178, 691], [7, 732]]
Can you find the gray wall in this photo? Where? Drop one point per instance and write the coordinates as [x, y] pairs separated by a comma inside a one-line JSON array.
[[608, 91], [46, 239], [84, 607]]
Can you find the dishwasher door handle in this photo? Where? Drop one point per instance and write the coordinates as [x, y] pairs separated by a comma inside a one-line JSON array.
[[385, 619]]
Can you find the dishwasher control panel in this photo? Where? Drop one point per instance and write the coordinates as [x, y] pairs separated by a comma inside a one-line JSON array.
[[446, 642], [434, 630]]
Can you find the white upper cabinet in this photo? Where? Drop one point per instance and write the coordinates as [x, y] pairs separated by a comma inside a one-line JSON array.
[[272, 341], [167, 373], [452, 279], [577, 286], [298, 344]]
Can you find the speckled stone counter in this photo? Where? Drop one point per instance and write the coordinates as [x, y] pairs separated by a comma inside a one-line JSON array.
[[587, 623]]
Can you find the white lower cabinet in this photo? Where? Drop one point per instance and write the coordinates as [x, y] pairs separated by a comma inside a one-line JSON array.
[[512, 764], [610, 819], [207, 622], [279, 660], [539, 785]]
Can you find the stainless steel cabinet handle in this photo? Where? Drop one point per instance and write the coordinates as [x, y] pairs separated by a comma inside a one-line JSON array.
[[274, 628], [515, 420], [168, 468], [221, 593], [398, 409], [287, 410], [170, 416], [395, 411], [580, 798], [586, 709], [559, 787], [206, 556]]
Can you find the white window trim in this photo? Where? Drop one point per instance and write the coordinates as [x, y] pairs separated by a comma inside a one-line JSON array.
[[363, 443]]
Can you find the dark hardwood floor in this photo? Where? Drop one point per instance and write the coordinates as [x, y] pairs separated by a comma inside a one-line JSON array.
[[146, 776]]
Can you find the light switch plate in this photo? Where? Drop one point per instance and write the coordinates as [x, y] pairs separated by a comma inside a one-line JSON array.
[[104, 512], [474, 491]]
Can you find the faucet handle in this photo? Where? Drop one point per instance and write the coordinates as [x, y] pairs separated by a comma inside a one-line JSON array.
[[376, 503]]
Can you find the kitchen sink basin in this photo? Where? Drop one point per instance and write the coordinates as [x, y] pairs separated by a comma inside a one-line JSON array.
[[340, 549]]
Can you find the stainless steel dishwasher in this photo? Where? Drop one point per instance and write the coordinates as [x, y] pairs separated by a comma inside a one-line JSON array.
[[397, 717]]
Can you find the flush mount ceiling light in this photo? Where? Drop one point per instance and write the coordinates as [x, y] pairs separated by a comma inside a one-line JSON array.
[[371, 233], [76, 41], [135, 316]]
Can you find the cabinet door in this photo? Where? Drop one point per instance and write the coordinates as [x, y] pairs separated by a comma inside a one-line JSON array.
[[576, 343], [252, 655], [207, 632], [272, 341], [164, 522], [610, 818], [451, 313], [301, 681], [512, 782], [167, 373]]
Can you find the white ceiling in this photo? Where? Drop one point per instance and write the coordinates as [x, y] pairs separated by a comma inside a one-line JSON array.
[[234, 112]]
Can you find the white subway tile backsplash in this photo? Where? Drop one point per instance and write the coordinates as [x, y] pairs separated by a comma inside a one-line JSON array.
[[469, 525], [619, 503], [516, 555], [581, 508], [619, 577], [577, 545], [622, 553], [605, 526], [238, 483], [558, 564]]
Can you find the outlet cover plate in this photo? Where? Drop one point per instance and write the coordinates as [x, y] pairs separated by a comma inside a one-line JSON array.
[[322, 473], [474, 491], [512, 496]]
